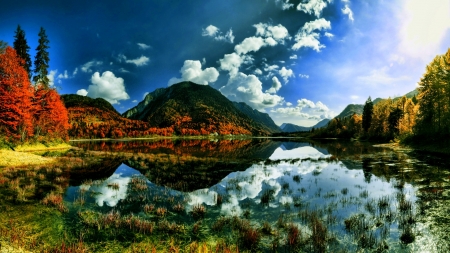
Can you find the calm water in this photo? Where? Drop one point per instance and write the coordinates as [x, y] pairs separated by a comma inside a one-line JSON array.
[[339, 196]]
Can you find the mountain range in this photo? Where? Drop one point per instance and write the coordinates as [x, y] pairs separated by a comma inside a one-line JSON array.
[[290, 128]]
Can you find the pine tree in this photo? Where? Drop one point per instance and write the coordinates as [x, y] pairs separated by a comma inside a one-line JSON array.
[[367, 115], [22, 48], [41, 62]]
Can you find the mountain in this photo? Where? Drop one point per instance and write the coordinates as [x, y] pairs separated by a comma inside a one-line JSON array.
[[261, 118], [289, 128], [189, 108], [97, 118], [139, 109], [358, 108], [350, 110]]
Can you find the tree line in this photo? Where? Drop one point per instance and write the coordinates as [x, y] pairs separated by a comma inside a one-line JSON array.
[[424, 118], [29, 111]]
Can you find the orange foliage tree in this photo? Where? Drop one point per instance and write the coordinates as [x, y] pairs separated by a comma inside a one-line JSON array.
[[50, 115], [16, 93]]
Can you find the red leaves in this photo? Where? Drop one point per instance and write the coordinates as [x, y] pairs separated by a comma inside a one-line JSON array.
[[15, 97], [25, 112]]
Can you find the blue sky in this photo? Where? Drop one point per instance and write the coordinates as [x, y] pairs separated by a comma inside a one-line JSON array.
[[299, 61]]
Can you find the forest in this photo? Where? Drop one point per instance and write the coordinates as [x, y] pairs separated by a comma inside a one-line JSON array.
[[421, 119]]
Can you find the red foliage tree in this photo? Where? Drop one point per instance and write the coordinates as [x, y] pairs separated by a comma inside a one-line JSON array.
[[16, 93], [50, 116]]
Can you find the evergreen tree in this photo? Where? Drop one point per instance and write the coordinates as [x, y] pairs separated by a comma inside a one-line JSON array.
[[22, 48], [367, 115], [41, 61]]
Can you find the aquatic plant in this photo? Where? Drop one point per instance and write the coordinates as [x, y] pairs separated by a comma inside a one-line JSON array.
[[198, 211]]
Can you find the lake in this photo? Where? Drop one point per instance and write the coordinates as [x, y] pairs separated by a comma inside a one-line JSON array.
[[260, 195]]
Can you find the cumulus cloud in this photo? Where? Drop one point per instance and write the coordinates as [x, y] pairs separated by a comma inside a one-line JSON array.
[[329, 35], [192, 71], [88, 65], [347, 11], [232, 62], [313, 7], [214, 32], [63, 75], [308, 35], [250, 44], [82, 92], [285, 5], [276, 86], [286, 74], [106, 86], [248, 89], [293, 57], [258, 72], [143, 46], [305, 109], [277, 33]]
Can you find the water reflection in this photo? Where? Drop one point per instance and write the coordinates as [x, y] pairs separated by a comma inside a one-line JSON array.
[[385, 191]]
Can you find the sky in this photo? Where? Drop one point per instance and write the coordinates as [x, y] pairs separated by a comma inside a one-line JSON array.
[[300, 61]]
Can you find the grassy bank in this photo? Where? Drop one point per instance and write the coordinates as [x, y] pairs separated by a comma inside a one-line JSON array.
[[20, 155]]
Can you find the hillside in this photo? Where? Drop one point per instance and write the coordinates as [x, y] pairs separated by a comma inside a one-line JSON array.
[[261, 118], [97, 118], [290, 128], [350, 110], [187, 108], [138, 110]]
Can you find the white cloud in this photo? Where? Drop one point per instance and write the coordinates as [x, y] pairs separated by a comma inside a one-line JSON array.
[[145, 94], [231, 62], [328, 35], [270, 68], [63, 75], [307, 37], [286, 73], [258, 72], [122, 70], [51, 77], [293, 57], [303, 76], [424, 26], [134, 101], [212, 31], [276, 86], [88, 65], [82, 92], [313, 7], [278, 32], [347, 11], [248, 89], [106, 86], [143, 46], [250, 44], [192, 71], [75, 72], [141, 61], [305, 109]]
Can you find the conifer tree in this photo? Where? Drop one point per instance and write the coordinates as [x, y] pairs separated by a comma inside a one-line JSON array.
[[41, 62], [367, 115], [22, 48]]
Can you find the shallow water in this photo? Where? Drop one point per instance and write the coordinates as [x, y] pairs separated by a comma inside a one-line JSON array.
[[362, 198]]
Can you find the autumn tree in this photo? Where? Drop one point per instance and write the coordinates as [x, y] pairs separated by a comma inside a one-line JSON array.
[[22, 48], [367, 114], [50, 115], [16, 93], [41, 62]]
